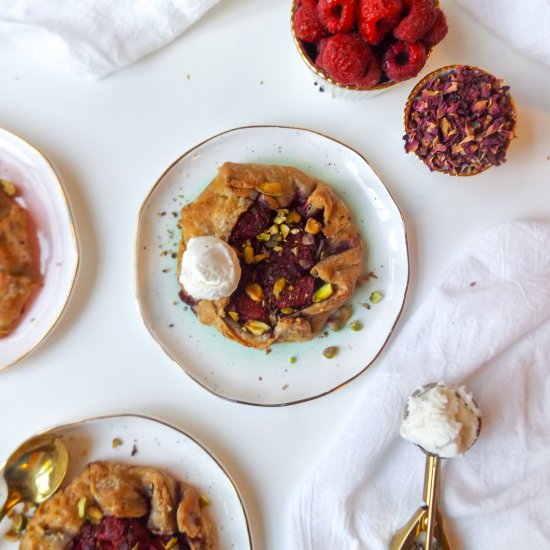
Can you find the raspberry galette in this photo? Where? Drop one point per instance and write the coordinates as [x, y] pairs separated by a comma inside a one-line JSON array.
[[111, 505], [299, 252]]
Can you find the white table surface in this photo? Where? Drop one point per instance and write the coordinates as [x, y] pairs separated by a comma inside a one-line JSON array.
[[111, 139]]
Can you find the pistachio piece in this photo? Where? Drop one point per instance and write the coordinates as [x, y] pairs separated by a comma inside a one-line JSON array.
[[255, 292], [356, 325], [203, 501], [234, 315], [117, 442], [323, 292], [94, 514], [260, 257], [287, 310], [172, 543], [313, 226], [279, 219], [274, 229], [8, 187], [248, 254], [279, 286], [257, 327], [278, 248], [272, 189], [292, 360], [285, 230], [81, 507], [263, 236], [376, 297], [294, 231], [293, 217], [330, 352]]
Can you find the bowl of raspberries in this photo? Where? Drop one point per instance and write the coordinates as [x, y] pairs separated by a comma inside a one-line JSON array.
[[365, 45]]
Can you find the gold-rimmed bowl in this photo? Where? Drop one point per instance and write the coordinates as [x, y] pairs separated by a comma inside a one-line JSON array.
[[442, 161], [328, 83]]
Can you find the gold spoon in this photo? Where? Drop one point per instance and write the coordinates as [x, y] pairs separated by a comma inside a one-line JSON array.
[[428, 518], [34, 471]]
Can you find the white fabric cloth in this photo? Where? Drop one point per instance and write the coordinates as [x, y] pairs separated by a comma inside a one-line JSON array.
[[486, 324], [524, 25], [96, 37]]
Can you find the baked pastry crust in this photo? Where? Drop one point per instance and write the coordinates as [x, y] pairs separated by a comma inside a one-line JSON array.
[[19, 277], [232, 192], [123, 491]]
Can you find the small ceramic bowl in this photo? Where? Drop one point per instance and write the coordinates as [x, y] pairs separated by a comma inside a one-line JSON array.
[[327, 83], [460, 120]]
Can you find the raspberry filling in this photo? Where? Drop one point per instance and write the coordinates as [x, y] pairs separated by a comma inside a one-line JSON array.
[[277, 249], [113, 533]]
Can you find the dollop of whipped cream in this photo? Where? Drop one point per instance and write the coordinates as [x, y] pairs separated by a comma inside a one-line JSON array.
[[209, 269], [443, 420]]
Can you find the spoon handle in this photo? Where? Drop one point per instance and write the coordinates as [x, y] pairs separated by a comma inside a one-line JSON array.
[[431, 490], [13, 499]]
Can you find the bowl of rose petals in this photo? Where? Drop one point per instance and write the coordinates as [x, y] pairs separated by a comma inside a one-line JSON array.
[[460, 120], [366, 45]]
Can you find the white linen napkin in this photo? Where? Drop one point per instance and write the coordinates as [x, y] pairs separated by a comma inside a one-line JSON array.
[[96, 37], [524, 25], [486, 324]]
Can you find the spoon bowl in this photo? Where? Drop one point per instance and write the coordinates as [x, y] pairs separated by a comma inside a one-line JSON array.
[[35, 470]]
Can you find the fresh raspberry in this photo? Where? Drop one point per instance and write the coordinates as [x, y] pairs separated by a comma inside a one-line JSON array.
[[306, 24], [320, 51], [337, 16], [438, 31], [403, 60], [345, 58], [419, 19], [377, 18], [373, 75]]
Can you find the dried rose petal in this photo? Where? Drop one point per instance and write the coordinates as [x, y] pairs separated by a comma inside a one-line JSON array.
[[461, 121]]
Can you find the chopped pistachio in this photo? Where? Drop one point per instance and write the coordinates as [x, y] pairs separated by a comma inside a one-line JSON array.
[[376, 297], [260, 257], [287, 310], [94, 514], [285, 230], [81, 507], [234, 315], [292, 360], [293, 217], [323, 292], [273, 230], [294, 231], [330, 352], [279, 219], [255, 292], [203, 501], [356, 325], [272, 189], [172, 543], [117, 442], [263, 236], [8, 187], [257, 327], [279, 286], [313, 226], [277, 248], [248, 254]]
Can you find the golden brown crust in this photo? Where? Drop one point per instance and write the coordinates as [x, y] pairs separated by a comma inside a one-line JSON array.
[[19, 277], [216, 211], [123, 491]]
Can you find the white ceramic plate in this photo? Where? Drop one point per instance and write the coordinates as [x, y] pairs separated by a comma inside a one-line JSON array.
[[231, 370], [42, 194], [151, 442]]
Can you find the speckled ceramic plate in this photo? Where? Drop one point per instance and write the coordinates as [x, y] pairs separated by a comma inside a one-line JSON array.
[[231, 370], [40, 191], [147, 441]]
